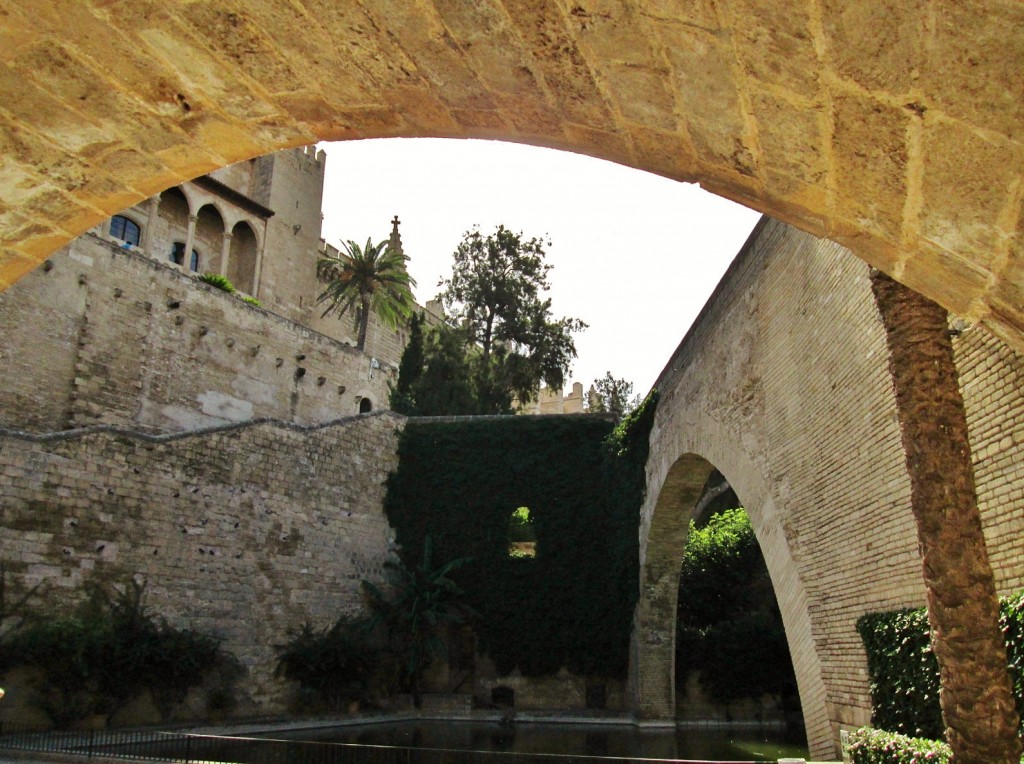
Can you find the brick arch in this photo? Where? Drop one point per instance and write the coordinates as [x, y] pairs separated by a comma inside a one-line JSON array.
[[671, 501], [905, 146]]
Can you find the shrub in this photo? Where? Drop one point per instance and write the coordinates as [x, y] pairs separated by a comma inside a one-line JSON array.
[[872, 746], [251, 300], [904, 675], [728, 625], [332, 666], [903, 672], [219, 282], [99, 658]]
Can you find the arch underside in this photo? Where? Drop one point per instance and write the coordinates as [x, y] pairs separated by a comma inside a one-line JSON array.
[[666, 517], [906, 146]]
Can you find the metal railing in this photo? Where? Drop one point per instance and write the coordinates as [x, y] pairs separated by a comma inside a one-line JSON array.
[[155, 745]]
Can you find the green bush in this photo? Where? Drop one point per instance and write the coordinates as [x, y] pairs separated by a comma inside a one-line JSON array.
[[106, 653], [219, 282], [250, 300], [904, 675], [872, 746], [332, 667], [728, 624]]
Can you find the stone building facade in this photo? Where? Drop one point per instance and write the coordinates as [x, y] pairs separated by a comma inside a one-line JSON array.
[[116, 328]]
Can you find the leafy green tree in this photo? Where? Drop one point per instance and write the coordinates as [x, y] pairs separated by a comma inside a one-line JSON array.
[[422, 600], [364, 280], [443, 386], [612, 395], [728, 623], [402, 397], [495, 295]]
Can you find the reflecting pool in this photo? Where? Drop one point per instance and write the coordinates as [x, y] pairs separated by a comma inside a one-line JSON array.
[[572, 739]]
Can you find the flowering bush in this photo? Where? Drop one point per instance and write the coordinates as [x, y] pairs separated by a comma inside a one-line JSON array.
[[871, 746]]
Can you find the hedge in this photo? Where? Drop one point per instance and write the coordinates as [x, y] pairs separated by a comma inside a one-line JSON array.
[[903, 673]]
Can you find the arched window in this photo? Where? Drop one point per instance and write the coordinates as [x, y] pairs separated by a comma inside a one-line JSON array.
[[125, 229], [365, 405], [178, 256]]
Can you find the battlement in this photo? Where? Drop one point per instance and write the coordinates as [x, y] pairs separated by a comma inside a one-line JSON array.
[[311, 158]]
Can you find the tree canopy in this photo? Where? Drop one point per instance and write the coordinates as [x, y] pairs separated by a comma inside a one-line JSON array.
[[364, 280], [612, 395], [501, 340]]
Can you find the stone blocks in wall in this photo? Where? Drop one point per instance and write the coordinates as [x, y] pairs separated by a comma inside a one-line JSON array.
[[783, 385], [108, 336], [245, 531]]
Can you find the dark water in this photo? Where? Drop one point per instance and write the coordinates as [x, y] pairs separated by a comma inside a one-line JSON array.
[[616, 740]]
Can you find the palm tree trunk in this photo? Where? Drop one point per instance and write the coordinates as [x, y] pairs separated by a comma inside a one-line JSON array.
[[364, 319], [963, 610]]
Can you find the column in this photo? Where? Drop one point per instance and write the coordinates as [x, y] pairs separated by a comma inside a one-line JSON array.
[[225, 251], [190, 239], [147, 236]]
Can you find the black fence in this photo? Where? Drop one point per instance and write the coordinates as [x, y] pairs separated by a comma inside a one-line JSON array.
[[153, 745]]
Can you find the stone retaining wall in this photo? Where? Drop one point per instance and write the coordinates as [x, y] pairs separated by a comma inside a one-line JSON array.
[[243, 531]]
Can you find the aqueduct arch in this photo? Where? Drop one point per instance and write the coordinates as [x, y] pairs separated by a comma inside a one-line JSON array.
[[892, 129], [672, 499]]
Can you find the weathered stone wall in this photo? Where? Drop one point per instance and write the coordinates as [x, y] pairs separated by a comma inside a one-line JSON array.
[[892, 127], [244, 531], [783, 385], [115, 337]]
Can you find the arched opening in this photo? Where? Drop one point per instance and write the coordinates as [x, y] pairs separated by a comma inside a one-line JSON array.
[[666, 520], [732, 660], [365, 405], [242, 258], [208, 241], [178, 257], [810, 133], [172, 227]]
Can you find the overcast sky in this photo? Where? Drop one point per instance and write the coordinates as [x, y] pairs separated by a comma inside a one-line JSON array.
[[635, 255]]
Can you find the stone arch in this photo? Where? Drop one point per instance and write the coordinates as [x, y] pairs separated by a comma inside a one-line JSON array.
[[908, 150], [243, 257], [672, 498], [208, 241], [172, 221]]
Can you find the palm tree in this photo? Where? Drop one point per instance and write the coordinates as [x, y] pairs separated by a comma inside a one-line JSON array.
[[371, 279], [419, 603], [963, 610]]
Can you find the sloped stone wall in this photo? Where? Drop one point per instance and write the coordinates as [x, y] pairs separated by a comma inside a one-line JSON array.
[[243, 531]]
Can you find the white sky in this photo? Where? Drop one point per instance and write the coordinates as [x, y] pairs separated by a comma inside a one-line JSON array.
[[635, 255]]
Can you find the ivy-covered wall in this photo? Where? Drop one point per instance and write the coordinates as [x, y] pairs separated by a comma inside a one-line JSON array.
[[582, 479], [905, 675]]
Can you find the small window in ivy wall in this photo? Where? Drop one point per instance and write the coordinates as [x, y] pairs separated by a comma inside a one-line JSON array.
[[522, 541]]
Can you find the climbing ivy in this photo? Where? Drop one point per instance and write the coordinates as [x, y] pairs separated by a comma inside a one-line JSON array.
[[571, 605]]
